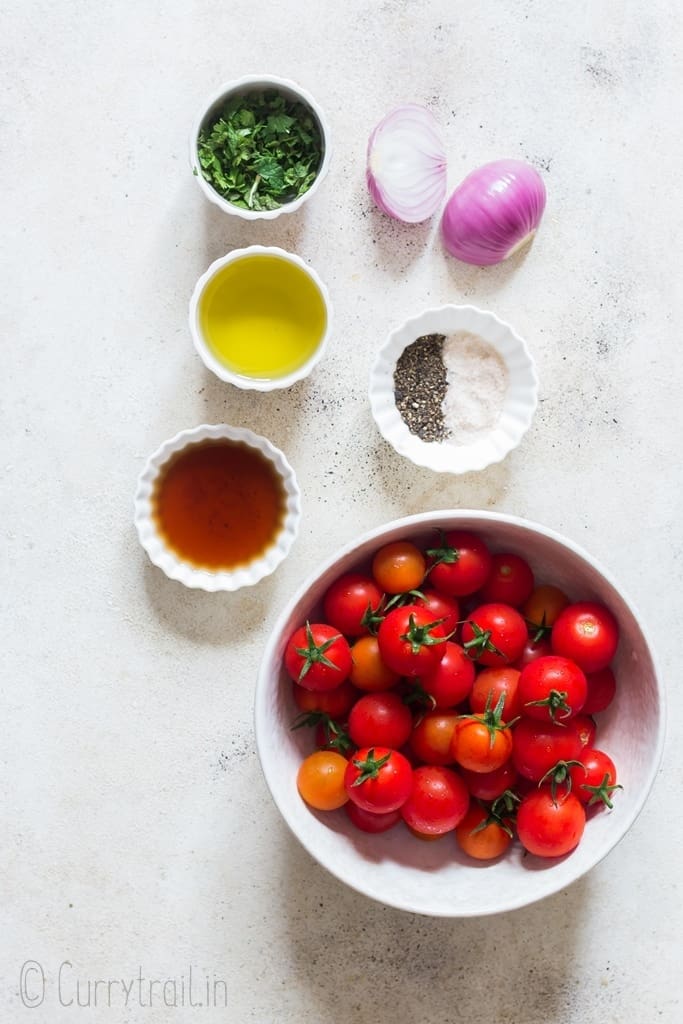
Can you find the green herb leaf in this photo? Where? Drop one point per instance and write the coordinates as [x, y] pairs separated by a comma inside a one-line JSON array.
[[261, 150]]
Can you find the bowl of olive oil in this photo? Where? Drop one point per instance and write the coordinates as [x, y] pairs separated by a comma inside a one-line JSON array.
[[260, 318]]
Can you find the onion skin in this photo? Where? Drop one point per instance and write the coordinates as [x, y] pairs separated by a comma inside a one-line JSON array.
[[406, 164], [493, 212]]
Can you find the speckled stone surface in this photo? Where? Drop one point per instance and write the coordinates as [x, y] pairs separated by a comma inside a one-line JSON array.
[[138, 837]]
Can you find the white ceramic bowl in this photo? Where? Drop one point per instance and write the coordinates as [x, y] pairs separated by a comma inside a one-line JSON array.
[[519, 403], [204, 579], [243, 380], [241, 86], [435, 878]]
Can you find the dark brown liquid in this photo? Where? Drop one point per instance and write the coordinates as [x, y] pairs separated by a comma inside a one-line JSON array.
[[219, 504]]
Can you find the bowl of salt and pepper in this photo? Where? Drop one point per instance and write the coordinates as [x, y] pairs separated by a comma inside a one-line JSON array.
[[454, 389]]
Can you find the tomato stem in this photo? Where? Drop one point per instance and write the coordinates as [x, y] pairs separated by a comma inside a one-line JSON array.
[[370, 767], [420, 636], [314, 654]]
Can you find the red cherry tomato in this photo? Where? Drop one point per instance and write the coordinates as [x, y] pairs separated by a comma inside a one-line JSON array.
[[584, 728], [494, 634], [410, 642], [350, 602], [538, 746], [441, 607], [380, 719], [533, 649], [451, 681], [550, 826], [378, 779], [510, 581], [595, 779], [431, 738], [587, 633], [490, 785], [460, 565], [438, 801], [336, 703], [488, 686], [318, 657], [552, 688], [366, 821], [602, 688]]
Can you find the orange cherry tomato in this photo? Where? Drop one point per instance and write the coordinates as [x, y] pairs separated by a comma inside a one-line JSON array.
[[544, 605], [399, 567], [480, 747], [368, 671], [478, 840], [321, 780]]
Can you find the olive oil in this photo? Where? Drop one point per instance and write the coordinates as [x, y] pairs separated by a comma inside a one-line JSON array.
[[219, 504], [262, 316]]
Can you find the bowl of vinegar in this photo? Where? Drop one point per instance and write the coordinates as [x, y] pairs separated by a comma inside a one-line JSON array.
[[260, 318]]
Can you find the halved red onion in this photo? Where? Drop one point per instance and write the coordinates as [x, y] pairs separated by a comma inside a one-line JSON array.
[[406, 164], [493, 212]]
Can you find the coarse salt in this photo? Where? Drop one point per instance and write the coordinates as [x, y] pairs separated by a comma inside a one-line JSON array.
[[477, 379]]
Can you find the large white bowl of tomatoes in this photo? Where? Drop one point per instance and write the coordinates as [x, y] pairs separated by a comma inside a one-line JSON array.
[[459, 713]]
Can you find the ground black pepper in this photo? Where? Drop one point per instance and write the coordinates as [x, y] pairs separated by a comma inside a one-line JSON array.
[[420, 385]]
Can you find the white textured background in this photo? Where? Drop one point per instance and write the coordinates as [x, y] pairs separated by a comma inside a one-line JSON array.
[[137, 831]]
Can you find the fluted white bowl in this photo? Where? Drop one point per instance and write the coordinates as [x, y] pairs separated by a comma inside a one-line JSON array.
[[519, 402], [186, 573]]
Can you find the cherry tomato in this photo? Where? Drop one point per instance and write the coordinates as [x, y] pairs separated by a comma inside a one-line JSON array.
[[552, 688], [451, 681], [399, 567], [602, 687], [460, 565], [533, 649], [441, 607], [431, 738], [587, 633], [410, 642], [510, 581], [318, 657], [480, 838], [550, 826], [366, 821], [490, 785], [321, 780], [543, 607], [378, 779], [489, 684], [351, 602], [595, 779], [494, 634], [368, 671], [538, 746], [336, 703], [480, 747], [438, 801], [380, 719], [584, 728]]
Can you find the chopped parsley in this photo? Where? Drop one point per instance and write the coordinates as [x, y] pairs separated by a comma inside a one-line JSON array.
[[261, 151]]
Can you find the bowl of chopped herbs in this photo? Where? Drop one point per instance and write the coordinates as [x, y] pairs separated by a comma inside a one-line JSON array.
[[260, 147]]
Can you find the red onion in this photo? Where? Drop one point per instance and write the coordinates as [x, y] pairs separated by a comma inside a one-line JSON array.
[[493, 212], [406, 164]]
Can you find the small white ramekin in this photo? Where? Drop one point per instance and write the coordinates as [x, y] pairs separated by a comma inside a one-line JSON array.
[[186, 573], [519, 403], [203, 349], [254, 83]]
